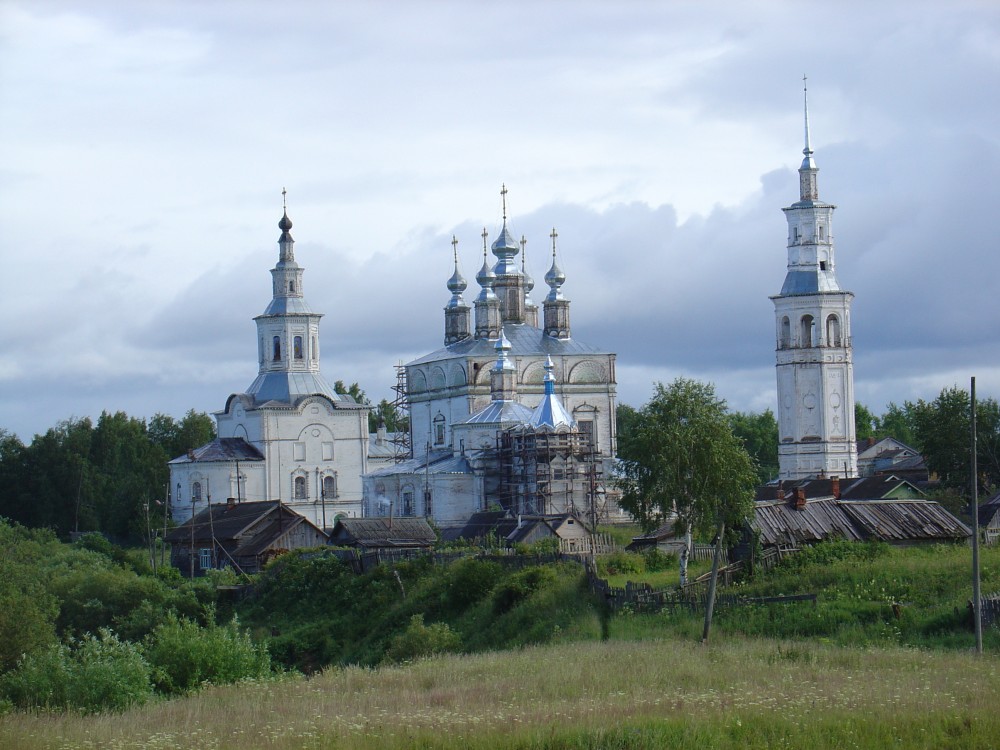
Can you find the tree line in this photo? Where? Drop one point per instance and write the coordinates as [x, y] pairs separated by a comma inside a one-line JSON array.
[[107, 477], [940, 429]]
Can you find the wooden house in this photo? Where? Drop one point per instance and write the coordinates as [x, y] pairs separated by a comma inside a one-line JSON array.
[[243, 536], [989, 520], [880, 508]]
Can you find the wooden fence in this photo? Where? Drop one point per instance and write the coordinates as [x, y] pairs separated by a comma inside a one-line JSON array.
[[641, 597], [596, 544], [990, 608]]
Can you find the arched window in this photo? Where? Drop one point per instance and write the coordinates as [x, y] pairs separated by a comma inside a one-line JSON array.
[[407, 509], [439, 429], [301, 491], [196, 491], [276, 345], [833, 331], [330, 486], [291, 287], [806, 332], [297, 344], [786, 333]]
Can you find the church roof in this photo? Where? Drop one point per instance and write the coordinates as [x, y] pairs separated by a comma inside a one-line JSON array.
[[441, 462], [222, 449], [288, 306], [524, 340], [288, 387], [501, 412], [550, 412]]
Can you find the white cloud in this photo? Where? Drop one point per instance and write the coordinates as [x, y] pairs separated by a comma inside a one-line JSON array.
[[147, 145]]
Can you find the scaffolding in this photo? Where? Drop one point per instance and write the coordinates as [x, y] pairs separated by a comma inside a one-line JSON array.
[[545, 472], [401, 405]]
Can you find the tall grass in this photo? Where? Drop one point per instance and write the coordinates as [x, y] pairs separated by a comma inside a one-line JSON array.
[[735, 693]]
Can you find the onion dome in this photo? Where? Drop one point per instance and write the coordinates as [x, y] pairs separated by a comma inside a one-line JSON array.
[[505, 247], [555, 278], [486, 278], [457, 283], [529, 283]]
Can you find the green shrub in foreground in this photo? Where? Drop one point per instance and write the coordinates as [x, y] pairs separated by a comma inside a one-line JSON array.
[[101, 673], [419, 640], [184, 656]]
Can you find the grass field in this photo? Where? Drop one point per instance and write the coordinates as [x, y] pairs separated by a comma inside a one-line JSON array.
[[735, 693]]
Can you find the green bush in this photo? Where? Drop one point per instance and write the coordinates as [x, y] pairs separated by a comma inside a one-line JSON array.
[[185, 656], [655, 560], [101, 673], [520, 586], [419, 641], [621, 563], [470, 580]]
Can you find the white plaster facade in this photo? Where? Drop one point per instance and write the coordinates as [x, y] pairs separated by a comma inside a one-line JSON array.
[[291, 435], [815, 371]]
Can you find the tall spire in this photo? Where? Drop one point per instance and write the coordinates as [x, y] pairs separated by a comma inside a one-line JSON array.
[[286, 253], [550, 412], [808, 185]]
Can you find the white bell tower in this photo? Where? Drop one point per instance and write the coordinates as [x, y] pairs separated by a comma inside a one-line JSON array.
[[816, 434]]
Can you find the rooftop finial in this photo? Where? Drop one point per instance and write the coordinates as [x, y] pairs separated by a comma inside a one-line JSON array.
[[503, 197], [553, 236], [454, 249], [485, 235], [284, 201], [805, 101], [523, 243]]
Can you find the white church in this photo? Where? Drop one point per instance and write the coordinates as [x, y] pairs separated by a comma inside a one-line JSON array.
[[815, 370], [290, 436], [512, 412]]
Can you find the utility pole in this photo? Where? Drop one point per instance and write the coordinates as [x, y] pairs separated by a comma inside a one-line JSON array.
[[977, 599]]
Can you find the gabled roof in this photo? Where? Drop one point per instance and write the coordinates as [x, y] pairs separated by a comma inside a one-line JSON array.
[[383, 532], [989, 509], [884, 447], [863, 488], [876, 488], [222, 449]]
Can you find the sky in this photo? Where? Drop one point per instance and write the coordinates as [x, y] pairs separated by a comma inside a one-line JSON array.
[[144, 148]]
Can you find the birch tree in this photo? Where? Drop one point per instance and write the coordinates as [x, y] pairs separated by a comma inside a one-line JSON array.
[[682, 461]]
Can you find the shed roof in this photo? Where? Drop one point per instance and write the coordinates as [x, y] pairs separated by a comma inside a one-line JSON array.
[[383, 532], [905, 520]]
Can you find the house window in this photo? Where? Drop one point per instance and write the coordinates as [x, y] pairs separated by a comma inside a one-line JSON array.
[[786, 333], [205, 558], [822, 265], [291, 287], [330, 485], [276, 347], [586, 431], [439, 429], [196, 491], [428, 507], [407, 503], [297, 343], [821, 233], [301, 491]]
